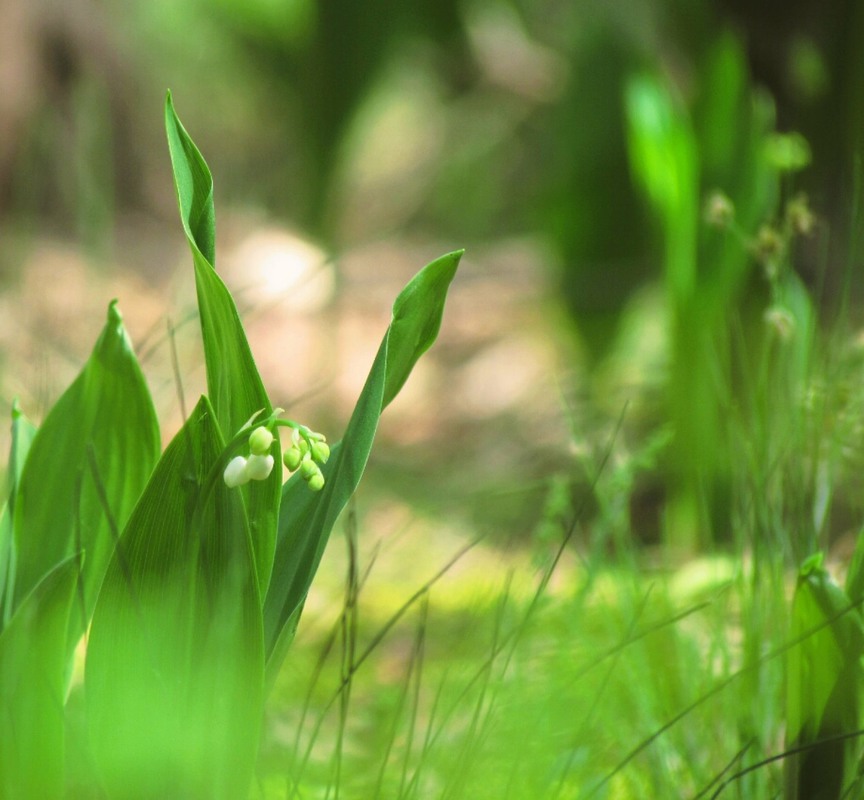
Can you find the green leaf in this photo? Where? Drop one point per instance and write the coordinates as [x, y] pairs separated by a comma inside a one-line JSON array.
[[664, 158], [233, 383], [306, 518], [32, 676], [23, 432], [823, 681], [174, 674], [417, 313], [87, 466]]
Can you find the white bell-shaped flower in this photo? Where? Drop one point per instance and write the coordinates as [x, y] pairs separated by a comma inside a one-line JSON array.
[[259, 467], [236, 473]]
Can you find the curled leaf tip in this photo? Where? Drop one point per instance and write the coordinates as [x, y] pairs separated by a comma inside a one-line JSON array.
[[114, 314]]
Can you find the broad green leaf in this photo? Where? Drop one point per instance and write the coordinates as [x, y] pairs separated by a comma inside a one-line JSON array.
[[822, 683], [32, 684], [23, 432], [233, 383], [174, 674], [306, 519], [87, 466]]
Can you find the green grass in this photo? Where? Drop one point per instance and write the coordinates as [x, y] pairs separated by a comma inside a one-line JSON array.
[[603, 682]]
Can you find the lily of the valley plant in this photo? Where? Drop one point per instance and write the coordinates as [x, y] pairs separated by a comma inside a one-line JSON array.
[[188, 569]]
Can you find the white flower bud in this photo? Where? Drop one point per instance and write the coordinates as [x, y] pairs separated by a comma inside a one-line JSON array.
[[259, 467], [260, 440], [236, 473]]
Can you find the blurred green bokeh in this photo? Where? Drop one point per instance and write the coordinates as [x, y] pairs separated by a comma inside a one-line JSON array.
[[515, 108], [471, 123]]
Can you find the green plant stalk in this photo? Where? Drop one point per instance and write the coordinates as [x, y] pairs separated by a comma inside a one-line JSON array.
[[677, 154]]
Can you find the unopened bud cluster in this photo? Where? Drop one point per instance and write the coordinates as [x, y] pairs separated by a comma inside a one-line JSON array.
[[305, 454], [257, 466], [772, 243], [307, 451]]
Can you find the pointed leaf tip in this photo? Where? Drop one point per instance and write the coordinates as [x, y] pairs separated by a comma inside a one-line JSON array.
[[114, 314]]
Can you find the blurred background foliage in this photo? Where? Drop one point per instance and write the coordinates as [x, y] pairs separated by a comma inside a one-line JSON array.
[[595, 132]]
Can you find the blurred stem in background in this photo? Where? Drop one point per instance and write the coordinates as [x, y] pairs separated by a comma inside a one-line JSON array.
[[704, 277], [321, 60]]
